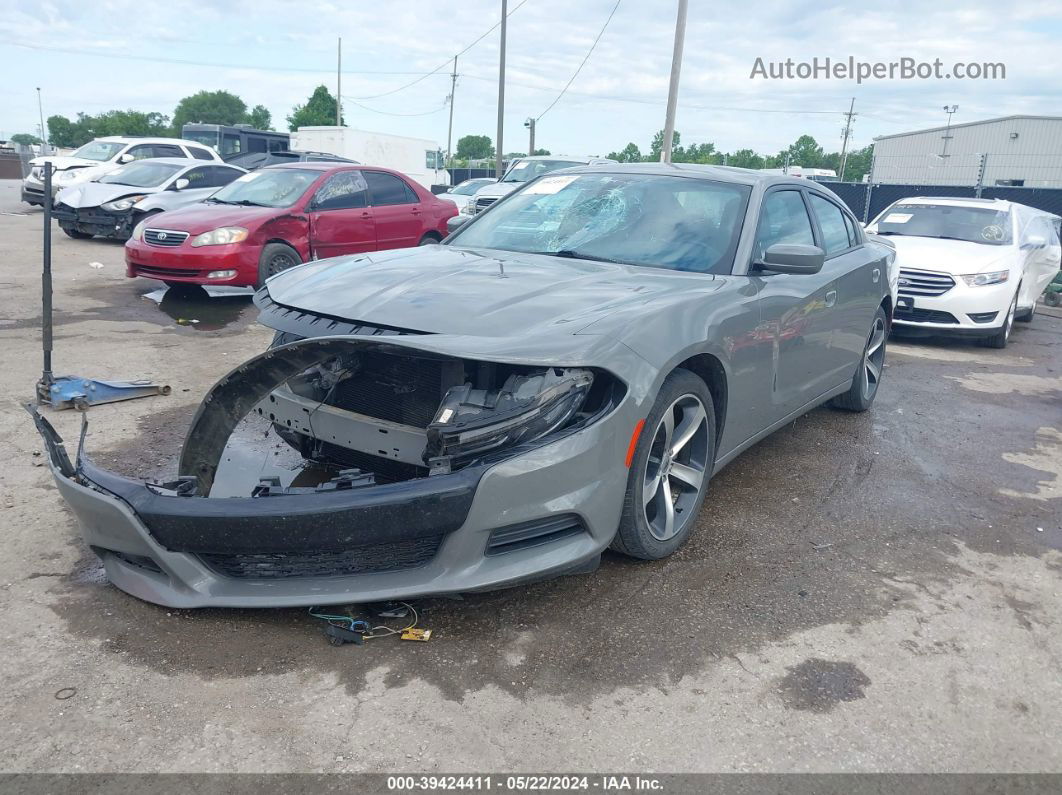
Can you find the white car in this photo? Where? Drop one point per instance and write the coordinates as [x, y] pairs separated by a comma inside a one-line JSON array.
[[969, 267], [464, 193], [102, 156], [521, 170]]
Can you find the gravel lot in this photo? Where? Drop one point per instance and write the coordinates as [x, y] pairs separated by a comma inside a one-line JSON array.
[[873, 592]]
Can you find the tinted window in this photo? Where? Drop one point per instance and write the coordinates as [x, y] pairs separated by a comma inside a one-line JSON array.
[[199, 177], [343, 191], [200, 154], [142, 152], [388, 189], [223, 176], [638, 219], [853, 233], [784, 219], [831, 221], [230, 144], [167, 150]]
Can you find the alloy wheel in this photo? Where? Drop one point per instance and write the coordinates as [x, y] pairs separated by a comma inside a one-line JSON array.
[[874, 359], [677, 467], [278, 263], [1008, 324]]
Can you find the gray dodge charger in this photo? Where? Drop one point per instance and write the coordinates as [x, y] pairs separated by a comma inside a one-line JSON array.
[[564, 374]]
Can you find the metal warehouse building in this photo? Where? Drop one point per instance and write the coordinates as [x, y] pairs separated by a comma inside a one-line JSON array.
[[1024, 151]]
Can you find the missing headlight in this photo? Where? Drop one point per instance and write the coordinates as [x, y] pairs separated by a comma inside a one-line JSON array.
[[471, 422]]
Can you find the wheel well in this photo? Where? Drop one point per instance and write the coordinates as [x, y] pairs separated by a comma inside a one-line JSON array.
[[433, 235], [283, 242], [710, 370], [886, 304]]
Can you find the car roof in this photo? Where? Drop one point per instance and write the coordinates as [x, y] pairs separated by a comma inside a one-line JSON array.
[[331, 165], [175, 161], [741, 176], [132, 139]]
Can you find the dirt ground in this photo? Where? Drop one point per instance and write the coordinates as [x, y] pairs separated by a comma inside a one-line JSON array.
[[876, 592]]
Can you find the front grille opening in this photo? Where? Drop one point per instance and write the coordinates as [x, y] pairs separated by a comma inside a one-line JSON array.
[[366, 559], [533, 533], [924, 315]]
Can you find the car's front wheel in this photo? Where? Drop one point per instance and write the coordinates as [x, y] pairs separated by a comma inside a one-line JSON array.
[[670, 469], [1002, 337], [72, 232], [276, 257]]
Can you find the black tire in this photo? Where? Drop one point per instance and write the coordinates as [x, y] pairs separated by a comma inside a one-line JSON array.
[[1025, 315], [1053, 299], [867, 378], [1002, 337], [428, 240], [276, 257], [71, 232], [636, 536]]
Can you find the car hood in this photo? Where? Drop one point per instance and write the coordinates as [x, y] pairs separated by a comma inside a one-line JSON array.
[[947, 256], [498, 189], [202, 217], [64, 162], [477, 292], [93, 194]]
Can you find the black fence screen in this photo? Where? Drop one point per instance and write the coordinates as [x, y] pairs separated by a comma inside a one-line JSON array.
[[866, 201], [459, 175]]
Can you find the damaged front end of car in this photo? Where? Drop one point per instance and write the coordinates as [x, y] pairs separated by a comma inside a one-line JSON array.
[[415, 473]]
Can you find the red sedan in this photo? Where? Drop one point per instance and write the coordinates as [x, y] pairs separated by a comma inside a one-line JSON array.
[[277, 217]]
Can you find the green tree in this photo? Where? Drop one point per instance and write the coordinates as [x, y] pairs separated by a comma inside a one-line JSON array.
[[745, 158], [658, 144], [66, 133], [805, 151], [475, 147], [209, 107], [25, 139], [542, 153], [319, 111], [260, 118], [628, 154], [698, 153], [858, 164]]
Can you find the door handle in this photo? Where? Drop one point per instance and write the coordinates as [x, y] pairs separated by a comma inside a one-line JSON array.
[[875, 275], [831, 298]]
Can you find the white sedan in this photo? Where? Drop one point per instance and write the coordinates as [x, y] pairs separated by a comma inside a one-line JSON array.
[[969, 267], [463, 193]]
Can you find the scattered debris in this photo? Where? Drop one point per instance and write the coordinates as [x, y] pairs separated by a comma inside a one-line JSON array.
[[96, 266]]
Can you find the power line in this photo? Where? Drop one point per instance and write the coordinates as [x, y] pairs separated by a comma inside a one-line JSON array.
[[446, 63], [389, 113], [600, 33]]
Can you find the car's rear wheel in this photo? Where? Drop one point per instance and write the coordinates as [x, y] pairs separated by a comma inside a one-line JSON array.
[[860, 396], [71, 232], [669, 470], [1002, 337], [276, 257]]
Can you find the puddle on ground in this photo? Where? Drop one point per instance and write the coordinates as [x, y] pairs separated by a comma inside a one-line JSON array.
[[255, 451], [203, 308]]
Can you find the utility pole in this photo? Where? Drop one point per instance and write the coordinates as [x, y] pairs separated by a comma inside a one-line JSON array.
[[501, 94], [339, 82], [450, 128], [949, 109], [44, 130], [672, 92], [844, 143], [530, 125]]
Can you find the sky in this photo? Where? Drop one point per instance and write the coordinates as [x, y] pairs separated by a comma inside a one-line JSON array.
[[97, 55]]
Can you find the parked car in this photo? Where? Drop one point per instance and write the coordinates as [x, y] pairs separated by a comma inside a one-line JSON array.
[[564, 373], [253, 160], [969, 267], [521, 170], [114, 204], [103, 156], [464, 193], [276, 217]]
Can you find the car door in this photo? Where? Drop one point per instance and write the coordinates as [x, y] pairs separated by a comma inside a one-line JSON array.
[[341, 222], [859, 280], [396, 211], [796, 310]]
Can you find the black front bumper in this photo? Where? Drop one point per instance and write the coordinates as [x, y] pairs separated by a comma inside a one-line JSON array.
[[94, 221]]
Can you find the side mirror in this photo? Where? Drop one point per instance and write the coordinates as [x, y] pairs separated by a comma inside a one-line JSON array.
[[792, 258], [455, 223], [181, 184], [1035, 241], [126, 158]]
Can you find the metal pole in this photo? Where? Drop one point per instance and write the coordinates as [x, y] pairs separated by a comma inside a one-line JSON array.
[[844, 144], [531, 144], [44, 130], [501, 95], [672, 92], [450, 128], [339, 82], [981, 175], [45, 384]]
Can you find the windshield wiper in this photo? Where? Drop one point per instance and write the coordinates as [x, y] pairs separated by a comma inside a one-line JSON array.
[[570, 253], [246, 203]]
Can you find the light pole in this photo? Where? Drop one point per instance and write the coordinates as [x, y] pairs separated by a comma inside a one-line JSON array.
[[450, 127], [672, 92], [501, 94], [44, 130], [949, 109], [530, 125]]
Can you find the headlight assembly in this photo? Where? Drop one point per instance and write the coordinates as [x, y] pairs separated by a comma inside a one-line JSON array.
[[472, 422], [221, 236], [138, 230], [121, 205], [983, 279]]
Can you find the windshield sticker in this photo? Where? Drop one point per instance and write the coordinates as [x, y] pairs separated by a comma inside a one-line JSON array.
[[548, 185], [897, 218], [992, 232]]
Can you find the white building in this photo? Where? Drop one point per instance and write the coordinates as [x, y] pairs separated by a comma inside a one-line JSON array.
[[1012, 150]]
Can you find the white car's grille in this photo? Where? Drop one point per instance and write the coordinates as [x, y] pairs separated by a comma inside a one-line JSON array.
[[924, 283], [483, 202]]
